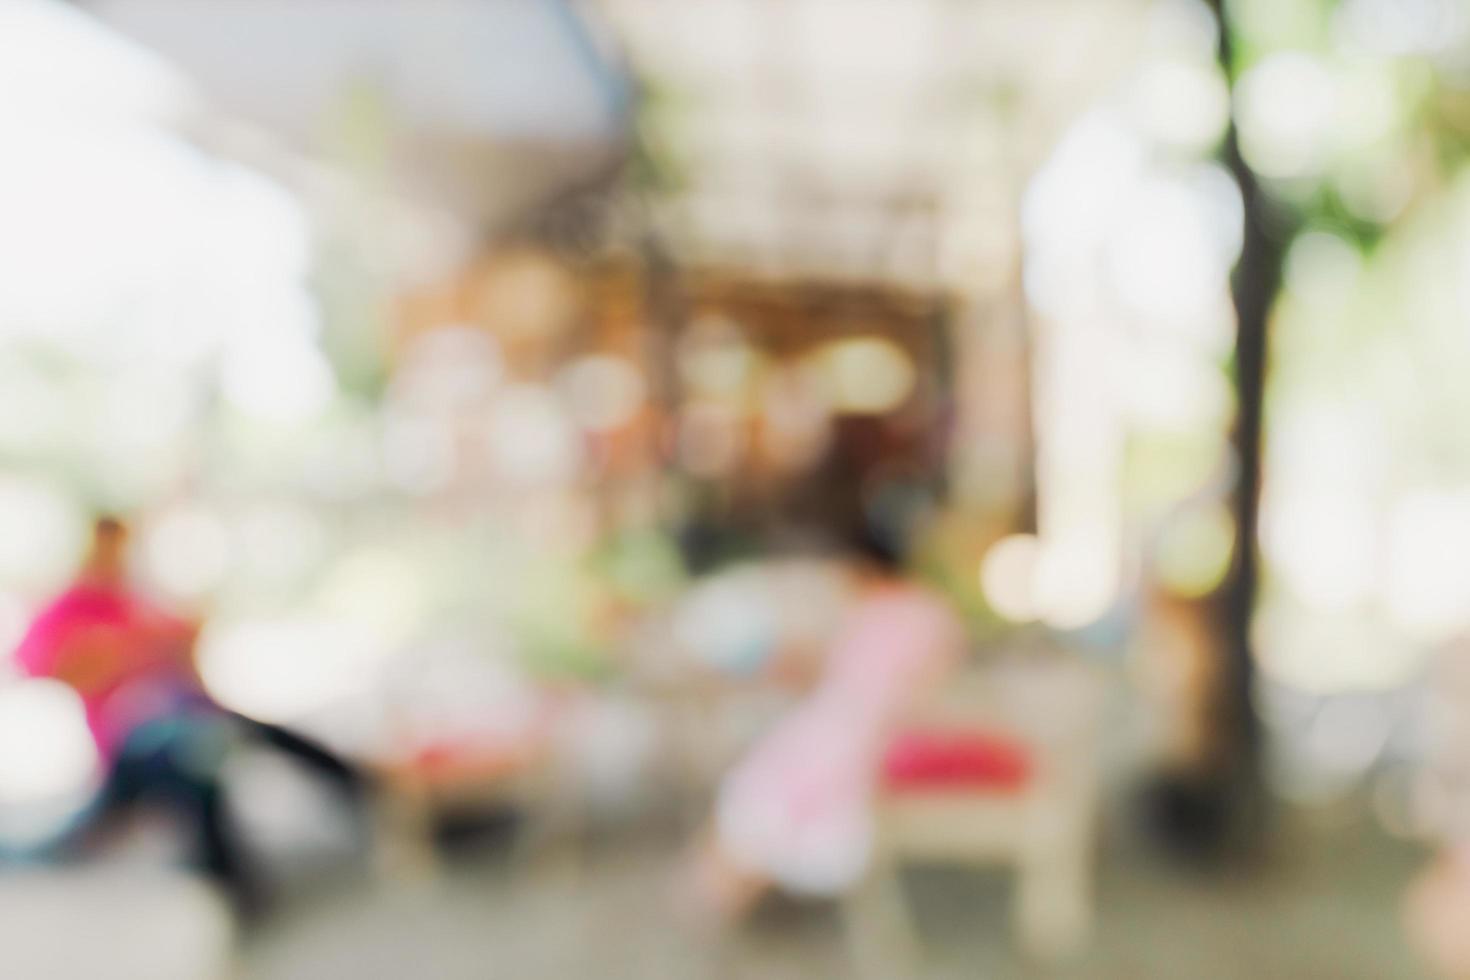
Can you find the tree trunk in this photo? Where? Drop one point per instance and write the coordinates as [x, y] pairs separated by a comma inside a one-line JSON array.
[[1254, 286]]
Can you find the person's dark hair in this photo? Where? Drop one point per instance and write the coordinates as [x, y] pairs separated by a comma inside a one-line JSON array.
[[107, 525], [882, 550]]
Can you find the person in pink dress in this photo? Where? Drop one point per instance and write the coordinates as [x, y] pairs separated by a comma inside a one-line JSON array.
[[797, 811]]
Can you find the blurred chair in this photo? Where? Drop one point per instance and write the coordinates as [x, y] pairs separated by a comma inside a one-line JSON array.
[[419, 792], [1000, 769], [549, 775]]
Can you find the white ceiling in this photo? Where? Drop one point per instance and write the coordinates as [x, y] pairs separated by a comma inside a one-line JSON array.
[[866, 138], [475, 105], [508, 70], [861, 137]]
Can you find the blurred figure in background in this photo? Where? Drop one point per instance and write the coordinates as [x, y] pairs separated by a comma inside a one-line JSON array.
[[796, 812], [1186, 801], [1437, 906], [1438, 911], [161, 739]]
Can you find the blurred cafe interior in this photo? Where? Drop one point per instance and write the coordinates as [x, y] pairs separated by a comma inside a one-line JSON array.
[[724, 488]]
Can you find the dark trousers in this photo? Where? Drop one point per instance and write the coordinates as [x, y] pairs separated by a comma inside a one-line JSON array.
[[176, 763]]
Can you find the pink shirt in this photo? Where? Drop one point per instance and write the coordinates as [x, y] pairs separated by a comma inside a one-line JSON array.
[[131, 638]]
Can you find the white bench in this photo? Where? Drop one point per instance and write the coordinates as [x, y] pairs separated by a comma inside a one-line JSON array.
[[1044, 830]]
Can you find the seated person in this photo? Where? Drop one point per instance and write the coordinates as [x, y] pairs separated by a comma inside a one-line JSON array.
[[796, 812], [159, 735], [127, 660]]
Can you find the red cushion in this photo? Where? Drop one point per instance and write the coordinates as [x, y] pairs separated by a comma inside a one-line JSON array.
[[955, 760]]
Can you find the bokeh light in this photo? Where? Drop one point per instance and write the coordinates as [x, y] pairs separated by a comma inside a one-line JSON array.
[[602, 392], [866, 375], [1286, 107], [283, 670], [1009, 577], [49, 766], [1426, 579], [531, 439], [1194, 551]]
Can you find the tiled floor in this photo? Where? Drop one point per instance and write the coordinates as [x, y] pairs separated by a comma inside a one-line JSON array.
[[1323, 904]]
